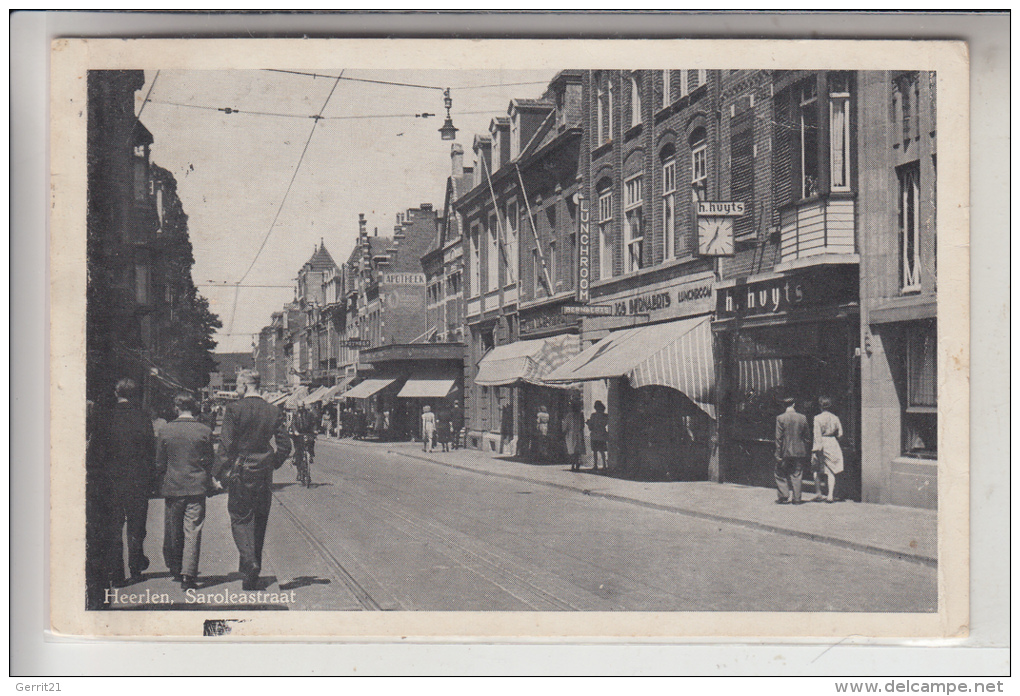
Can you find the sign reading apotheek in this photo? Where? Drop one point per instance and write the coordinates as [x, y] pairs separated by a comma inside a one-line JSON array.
[[583, 254], [666, 300], [403, 278]]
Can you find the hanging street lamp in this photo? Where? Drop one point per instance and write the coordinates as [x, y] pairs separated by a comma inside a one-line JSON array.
[[448, 131]]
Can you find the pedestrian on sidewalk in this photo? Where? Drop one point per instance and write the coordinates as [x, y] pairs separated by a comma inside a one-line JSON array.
[[443, 434], [572, 438], [542, 425], [828, 455], [184, 461], [126, 450], [246, 462], [456, 422], [598, 434], [792, 447], [428, 429]]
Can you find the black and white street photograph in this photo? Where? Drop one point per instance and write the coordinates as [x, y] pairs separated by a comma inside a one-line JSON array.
[[655, 337]]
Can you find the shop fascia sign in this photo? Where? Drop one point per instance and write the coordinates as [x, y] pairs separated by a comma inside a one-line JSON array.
[[355, 343], [661, 300], [776, 295]]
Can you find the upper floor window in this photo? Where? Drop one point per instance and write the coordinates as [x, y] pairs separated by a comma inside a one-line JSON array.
[[606, 234], [699, 163], [600, 115], [669, 207], [808, 126], [512, 242], [475, 261], [690, 80], [667, 89], [635, 100], [839, 131], [554, 270], [609, 110], [515, 137], [633, 222], [492, 282], [910, 226]]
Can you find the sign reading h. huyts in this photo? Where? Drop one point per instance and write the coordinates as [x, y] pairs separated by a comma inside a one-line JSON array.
[[583, 254]]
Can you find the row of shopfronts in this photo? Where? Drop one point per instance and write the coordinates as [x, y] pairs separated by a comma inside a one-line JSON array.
[[386, 397], [692, 371]]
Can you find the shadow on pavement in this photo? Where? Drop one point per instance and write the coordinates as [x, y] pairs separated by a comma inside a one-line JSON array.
[[207, 581], [305, 581]]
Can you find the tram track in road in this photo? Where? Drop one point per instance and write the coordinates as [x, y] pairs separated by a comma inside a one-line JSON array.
[[362, 595]]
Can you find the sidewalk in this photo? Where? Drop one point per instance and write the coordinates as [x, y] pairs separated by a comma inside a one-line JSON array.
[[898, 532]]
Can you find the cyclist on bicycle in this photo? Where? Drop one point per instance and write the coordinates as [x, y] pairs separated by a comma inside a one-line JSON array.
[[303, 429]]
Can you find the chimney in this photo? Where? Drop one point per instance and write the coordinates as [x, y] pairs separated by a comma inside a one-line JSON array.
[[456, 161]]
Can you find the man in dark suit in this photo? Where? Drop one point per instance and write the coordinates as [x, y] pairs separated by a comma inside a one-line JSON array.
[[793, 443], [125, 452], [184, 460], [246, 462]]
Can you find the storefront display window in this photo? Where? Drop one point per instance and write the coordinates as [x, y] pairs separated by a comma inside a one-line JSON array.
[[920, 419]]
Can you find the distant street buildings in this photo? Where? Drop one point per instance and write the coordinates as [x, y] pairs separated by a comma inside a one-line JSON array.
[[687, 246]]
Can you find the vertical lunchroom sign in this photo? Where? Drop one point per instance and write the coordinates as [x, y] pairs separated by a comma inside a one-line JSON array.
[[583, 253]]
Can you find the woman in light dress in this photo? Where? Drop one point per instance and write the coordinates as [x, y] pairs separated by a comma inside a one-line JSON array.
[[428, 429], [828, 455]]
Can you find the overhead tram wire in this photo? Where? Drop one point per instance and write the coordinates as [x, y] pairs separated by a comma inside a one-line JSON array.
[[315, 122], [404, 84], [245, 112]]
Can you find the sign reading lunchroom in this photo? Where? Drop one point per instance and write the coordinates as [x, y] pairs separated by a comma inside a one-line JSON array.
[[666, 300]]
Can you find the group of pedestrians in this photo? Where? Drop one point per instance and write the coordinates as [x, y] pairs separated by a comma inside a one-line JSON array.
[[796, 443], [441, 428], [129, 461]]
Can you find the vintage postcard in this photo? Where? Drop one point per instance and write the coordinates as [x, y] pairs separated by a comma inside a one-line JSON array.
[[509, 340]]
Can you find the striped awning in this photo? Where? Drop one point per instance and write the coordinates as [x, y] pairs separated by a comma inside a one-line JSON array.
[[368, 388], [526, 361], [676, 354], [336, 389], [760, 375]]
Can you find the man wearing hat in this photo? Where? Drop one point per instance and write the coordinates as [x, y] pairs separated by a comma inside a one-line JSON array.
[[793, 443], [245, 463]]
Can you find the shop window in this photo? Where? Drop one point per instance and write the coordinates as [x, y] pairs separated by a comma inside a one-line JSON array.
[[669, 207], [632, 221], [808, 126], [920, 419], [606, 234], [909, 227], [839, 131]]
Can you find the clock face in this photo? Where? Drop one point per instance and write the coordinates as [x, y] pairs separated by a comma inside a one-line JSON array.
[[715, 236]]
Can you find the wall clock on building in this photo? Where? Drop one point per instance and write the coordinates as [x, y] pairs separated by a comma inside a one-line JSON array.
[[715, 236]]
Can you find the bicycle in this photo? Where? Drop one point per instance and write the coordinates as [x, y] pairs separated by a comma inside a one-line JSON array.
[[303, 460]]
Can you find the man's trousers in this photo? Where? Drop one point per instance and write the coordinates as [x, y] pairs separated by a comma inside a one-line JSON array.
[[250, 497], [789, 474], [182, 534]]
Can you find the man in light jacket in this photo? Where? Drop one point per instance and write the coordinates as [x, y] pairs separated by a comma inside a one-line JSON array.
[[184, 460], [793, 445]]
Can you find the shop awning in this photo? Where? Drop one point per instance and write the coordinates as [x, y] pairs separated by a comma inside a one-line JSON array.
[[526, 361], [316, 396], [368, 388], [336, 389], [676, 354], [426, 388], [297, 398], [278, 399]]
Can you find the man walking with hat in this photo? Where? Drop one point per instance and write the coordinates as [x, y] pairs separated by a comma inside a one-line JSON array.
[[246, 462], [793, 443]]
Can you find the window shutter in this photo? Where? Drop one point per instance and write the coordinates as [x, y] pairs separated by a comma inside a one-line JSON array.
[[742, 170], [784, 152]]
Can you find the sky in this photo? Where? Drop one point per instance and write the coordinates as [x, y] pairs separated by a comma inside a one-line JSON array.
[[367, 154]]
